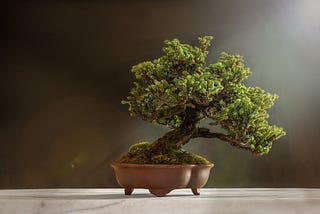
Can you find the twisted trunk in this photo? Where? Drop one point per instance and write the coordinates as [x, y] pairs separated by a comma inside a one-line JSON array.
[[175, 138], [189, 129]]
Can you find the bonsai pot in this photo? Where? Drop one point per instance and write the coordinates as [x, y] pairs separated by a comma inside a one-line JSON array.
[[160, 179]]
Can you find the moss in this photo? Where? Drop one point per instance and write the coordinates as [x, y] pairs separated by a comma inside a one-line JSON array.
[[140, 154]]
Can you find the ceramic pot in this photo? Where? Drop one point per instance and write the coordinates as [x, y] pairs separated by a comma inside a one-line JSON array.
[[160, 179]]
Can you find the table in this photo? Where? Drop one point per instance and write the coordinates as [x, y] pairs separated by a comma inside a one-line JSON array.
[[113, 201]]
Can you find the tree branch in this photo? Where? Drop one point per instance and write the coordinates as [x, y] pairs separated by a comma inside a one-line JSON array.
[[215, 123], [205, 133]]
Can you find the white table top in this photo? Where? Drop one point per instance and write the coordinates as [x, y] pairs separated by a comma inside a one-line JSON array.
[[113, 201]]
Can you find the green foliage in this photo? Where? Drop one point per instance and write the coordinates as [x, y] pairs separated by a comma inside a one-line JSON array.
[[139, 154], [244, 117], [171, 83], [167, 86]]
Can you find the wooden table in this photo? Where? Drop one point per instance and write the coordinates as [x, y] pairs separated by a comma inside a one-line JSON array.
[[113, 201]]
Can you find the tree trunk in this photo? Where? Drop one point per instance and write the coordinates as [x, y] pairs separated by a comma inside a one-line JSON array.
[[175, 138]]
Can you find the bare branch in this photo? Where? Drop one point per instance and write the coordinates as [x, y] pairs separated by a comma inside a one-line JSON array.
[[213, 123], [172, 114], [205, 133]]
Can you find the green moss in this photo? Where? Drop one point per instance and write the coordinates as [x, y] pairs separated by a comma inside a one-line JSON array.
[[140, 154]]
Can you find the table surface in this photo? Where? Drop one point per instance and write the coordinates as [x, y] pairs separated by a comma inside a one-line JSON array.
[[113, 201]]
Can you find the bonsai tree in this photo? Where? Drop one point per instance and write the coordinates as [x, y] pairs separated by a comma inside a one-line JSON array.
[[179, 90]]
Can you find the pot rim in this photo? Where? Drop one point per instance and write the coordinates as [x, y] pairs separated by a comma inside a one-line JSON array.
[[132, 165]]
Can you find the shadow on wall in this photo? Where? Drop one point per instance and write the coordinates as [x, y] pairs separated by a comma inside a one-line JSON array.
[[66, 137]]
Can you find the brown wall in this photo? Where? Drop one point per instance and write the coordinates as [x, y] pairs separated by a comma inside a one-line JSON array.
[[65, 68]]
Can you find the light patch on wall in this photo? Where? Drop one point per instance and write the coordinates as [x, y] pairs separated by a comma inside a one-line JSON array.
[[302, 21], [79, 160]]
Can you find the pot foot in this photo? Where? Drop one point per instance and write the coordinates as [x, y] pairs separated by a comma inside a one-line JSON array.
[[128, 191], [159, 192], [195, 191]]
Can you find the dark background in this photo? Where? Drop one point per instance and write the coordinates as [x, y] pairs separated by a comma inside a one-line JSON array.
[[65, 67]]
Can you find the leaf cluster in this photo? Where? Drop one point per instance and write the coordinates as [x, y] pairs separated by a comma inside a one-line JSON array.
[[180, 79]]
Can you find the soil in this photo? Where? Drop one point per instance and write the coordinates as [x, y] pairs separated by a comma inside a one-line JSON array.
[[144, 153]]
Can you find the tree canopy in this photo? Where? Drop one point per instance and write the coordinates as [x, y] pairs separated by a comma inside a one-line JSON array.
[[170, 87]]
